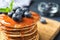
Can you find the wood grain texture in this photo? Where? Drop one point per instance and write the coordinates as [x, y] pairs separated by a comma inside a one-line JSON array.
[[48, 31]]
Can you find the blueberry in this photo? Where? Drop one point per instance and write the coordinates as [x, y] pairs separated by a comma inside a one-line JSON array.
[[19, 12], [27, 14], [17, 17], [25, 7], [16, 8], [43, 21], [10, 14], [1, 12]]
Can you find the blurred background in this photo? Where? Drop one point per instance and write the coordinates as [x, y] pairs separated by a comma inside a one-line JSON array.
[[34, 7]]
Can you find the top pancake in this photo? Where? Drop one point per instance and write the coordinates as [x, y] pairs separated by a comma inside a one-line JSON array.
[[26, 22]]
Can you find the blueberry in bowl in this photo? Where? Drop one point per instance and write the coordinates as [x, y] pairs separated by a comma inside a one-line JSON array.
[[48, 9]]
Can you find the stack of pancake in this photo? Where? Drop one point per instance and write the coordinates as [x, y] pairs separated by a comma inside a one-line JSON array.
[[25, 30], [28, 33]]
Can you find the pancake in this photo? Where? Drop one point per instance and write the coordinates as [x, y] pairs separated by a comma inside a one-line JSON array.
[[22, 35], [22, 31], [31, 37], [25, 30]]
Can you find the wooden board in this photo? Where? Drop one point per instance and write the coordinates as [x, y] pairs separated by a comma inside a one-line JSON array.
[[48, 31]]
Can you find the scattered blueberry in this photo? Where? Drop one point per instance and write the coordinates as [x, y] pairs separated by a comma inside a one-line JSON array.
[[43, 21]]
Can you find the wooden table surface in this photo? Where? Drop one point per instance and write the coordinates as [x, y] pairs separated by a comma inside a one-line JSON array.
[[46, 31]]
